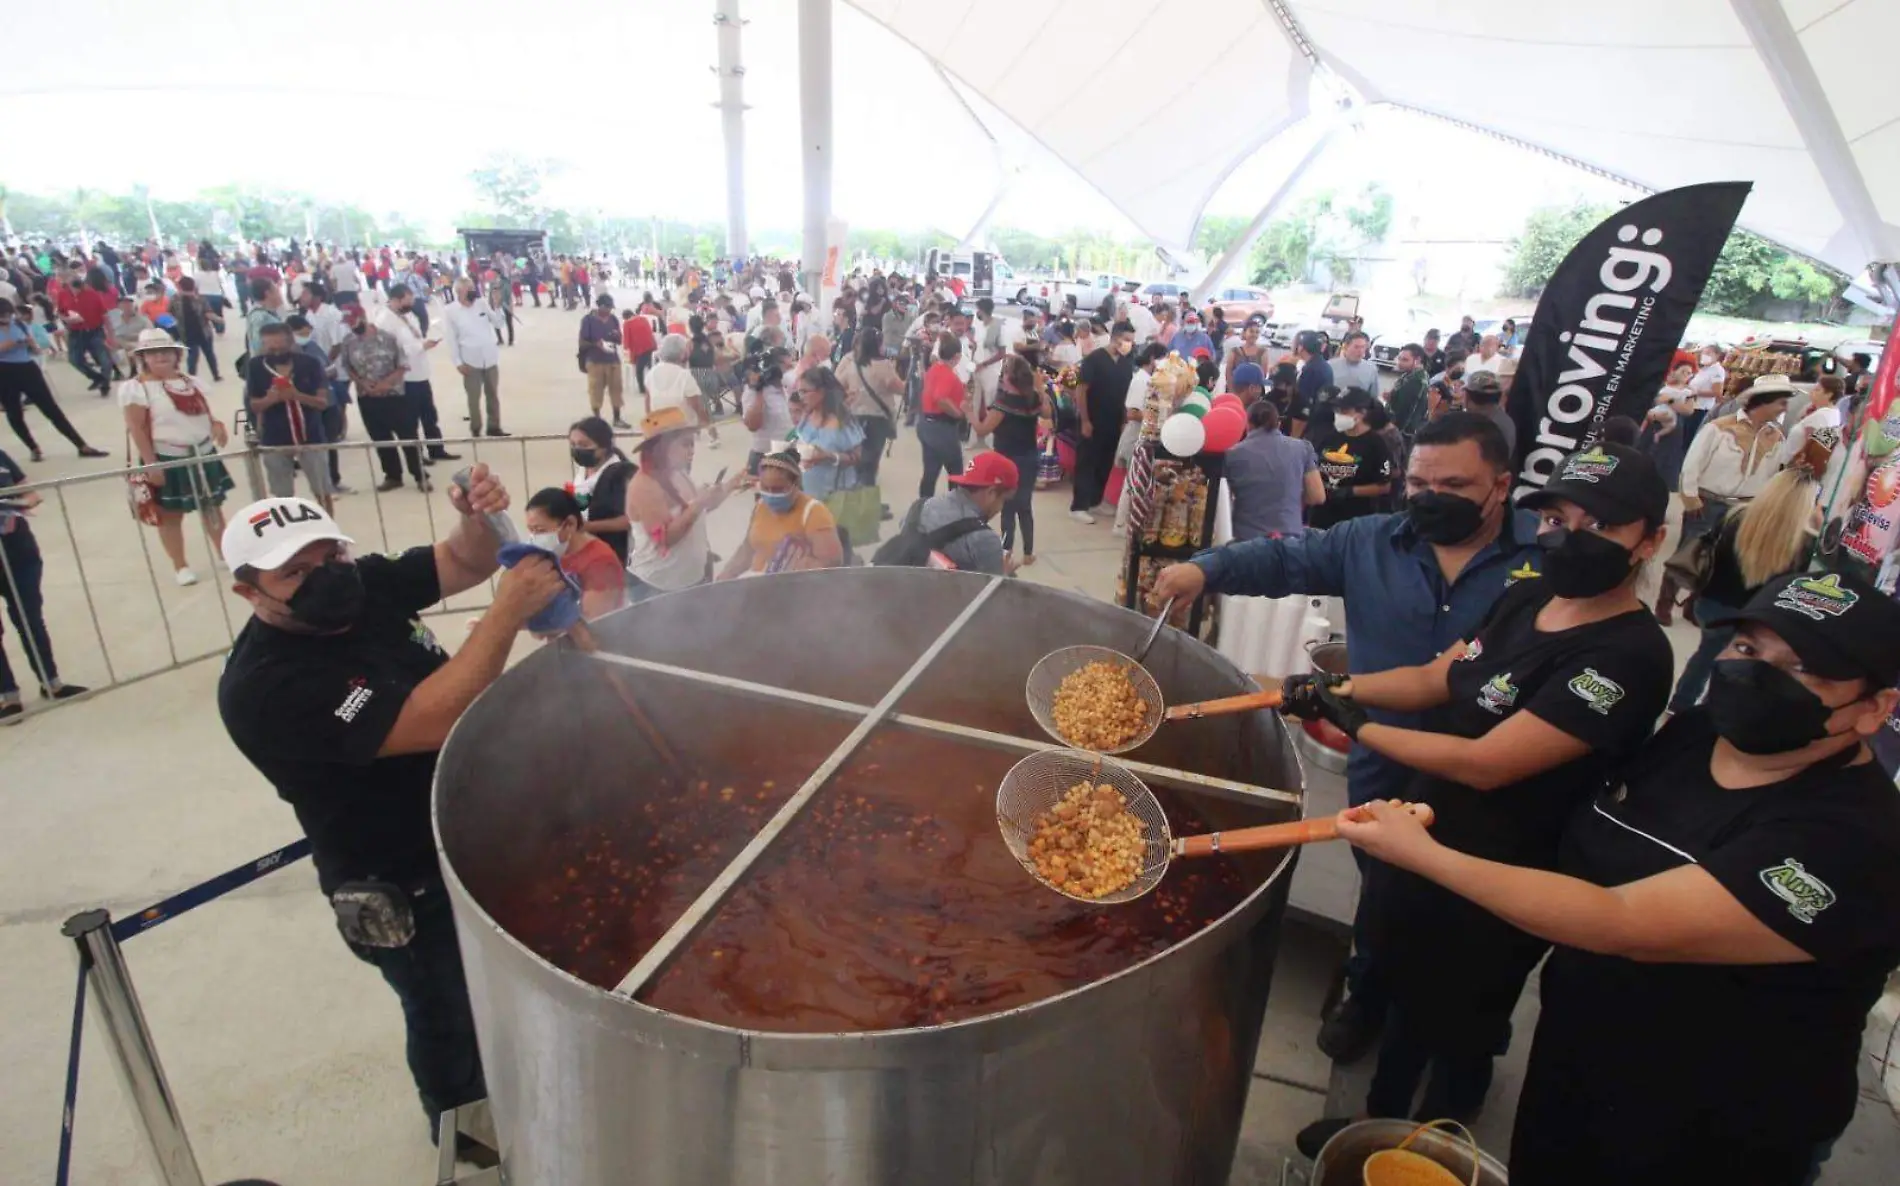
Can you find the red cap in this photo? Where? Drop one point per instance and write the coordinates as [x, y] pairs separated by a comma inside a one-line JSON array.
[[1203, 352], [987, 470]]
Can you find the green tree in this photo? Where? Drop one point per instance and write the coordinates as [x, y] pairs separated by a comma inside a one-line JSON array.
[[1749, 272], [1548, 235], [1217, 233], [511, 184]]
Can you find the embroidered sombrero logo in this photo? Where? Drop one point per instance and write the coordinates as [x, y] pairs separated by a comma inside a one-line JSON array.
[[1591, 465], [1819, 598]]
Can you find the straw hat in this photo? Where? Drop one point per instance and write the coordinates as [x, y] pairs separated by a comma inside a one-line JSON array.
[[155, 339], [664, 421], [1763, 383]]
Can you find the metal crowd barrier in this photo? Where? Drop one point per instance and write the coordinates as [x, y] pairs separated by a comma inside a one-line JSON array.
[[103, 973], [121, 605]]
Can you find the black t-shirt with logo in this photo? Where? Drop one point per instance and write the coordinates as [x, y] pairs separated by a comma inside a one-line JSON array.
[[1661, 1067], [311, 712], [1107, 378], [1602, 683], [1344, 461]]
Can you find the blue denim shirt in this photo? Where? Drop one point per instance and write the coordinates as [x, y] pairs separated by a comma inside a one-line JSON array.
[[1399, 610]]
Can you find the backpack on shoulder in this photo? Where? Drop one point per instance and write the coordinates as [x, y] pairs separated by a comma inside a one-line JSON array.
[[911, 546]]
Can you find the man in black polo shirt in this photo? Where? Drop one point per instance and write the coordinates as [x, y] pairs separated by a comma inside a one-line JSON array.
[[340, 696]]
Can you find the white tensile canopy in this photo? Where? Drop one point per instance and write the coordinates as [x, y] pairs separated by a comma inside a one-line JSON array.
[[1155, 102]]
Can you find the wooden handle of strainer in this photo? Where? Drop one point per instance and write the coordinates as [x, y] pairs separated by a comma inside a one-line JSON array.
[[1225, 706], [1304, 831]]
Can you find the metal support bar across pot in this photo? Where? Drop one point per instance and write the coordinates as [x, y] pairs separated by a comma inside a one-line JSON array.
[[1219, 788], [702, 908]]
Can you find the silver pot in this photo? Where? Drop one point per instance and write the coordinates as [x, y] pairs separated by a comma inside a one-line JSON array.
[[1137, 1078], [1342, 1162], [1327, 658]]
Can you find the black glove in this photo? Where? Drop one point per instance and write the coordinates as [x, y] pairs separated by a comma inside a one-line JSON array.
[[1299, 694], [1348, 717]]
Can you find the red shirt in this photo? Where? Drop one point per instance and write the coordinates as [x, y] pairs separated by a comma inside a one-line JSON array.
[[88, 305], [636, 333], [943, 390], [580, 276], [597, 568]]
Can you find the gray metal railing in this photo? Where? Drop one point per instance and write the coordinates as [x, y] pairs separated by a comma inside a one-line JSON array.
[[95, 582]]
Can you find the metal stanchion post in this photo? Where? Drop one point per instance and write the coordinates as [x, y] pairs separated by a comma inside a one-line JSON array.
[[253, 461], [132, 1049]]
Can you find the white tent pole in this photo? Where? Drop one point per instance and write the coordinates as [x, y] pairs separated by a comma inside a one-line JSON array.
[[732, 120], [1780, 49], [1228, 258], [814, 123]]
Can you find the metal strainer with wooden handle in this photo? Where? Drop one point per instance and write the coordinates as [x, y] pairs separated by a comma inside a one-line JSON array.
[[1046, 677], [1036, 784]]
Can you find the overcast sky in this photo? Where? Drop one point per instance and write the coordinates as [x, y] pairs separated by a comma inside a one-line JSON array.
[[627, 105]]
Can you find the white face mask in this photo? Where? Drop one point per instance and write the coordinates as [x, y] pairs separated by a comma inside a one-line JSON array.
[[1342, 422], [548, 541]]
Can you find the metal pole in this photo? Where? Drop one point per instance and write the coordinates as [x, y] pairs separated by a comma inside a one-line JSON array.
[[814, 125], [732, 121], [117, 1003], [1238, 249]]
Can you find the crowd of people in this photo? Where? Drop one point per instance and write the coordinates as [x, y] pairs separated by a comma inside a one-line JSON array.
[[1731, 873]]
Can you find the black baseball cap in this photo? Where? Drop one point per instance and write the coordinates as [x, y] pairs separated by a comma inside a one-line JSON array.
[[1615, 483], [1841, 625]]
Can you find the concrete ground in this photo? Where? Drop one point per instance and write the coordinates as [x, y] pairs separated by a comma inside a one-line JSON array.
[[284, 1052]]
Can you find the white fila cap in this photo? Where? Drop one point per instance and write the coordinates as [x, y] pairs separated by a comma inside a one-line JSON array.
[[267, 533]]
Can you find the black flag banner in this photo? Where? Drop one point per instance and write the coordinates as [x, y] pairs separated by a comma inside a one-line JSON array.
[[1610, 320]]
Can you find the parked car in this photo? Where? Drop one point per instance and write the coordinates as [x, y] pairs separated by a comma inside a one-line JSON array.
[[1387, 341], [1336, 317], [1244, 304], [1162, 290], [1088, 292]]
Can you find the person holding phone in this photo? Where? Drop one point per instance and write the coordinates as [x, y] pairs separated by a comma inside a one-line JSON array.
[[667, 548]]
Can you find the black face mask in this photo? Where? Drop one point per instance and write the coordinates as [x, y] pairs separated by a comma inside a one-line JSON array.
[[584, 456], [1444, 518], [330, 598], [1581, 564], [1760, 709]]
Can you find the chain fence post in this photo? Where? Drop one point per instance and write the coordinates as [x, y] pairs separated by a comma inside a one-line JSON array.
[[132, 1049]]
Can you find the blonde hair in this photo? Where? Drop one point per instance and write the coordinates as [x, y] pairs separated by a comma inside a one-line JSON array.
[[1771, 532]]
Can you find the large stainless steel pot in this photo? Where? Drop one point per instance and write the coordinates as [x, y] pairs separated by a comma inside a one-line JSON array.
[[1134, 1080]]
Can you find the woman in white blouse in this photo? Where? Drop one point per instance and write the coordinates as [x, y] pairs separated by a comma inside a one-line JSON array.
[[168, 417]]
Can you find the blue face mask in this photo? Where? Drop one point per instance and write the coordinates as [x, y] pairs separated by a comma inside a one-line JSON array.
[[779, 503]]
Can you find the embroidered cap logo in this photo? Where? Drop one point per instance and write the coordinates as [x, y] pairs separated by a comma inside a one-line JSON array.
[[283, 517], [1819, 598]]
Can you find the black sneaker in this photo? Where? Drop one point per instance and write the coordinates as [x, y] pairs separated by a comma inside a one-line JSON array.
[[1314, 1136], [444, 455], [65, 691], [1349, 1032], [388, 484], [11, 709], [473, 1152], [496, 432]]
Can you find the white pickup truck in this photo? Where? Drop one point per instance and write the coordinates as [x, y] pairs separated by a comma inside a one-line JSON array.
[[1086, 293]]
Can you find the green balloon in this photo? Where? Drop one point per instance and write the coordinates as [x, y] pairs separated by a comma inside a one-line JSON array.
[[1196, 410]]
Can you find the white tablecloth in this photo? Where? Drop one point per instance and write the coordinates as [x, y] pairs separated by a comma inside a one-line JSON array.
[[1266, 636]]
